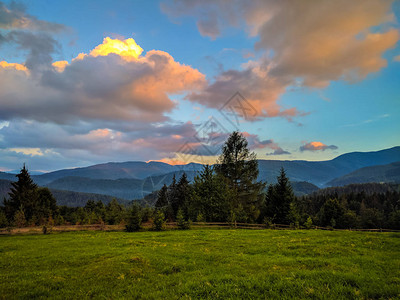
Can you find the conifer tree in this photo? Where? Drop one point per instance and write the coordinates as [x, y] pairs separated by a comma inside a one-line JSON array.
[[162, 197], [240, 167], [134, 219], [279, 201], [23, 196], [211, 196]]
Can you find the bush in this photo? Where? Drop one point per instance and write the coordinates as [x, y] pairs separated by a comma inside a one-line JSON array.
[[308, 224], [19, 219], [181, 222], [200, 218], [159, 220]]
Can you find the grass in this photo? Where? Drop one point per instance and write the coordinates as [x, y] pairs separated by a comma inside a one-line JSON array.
[[201, 263]]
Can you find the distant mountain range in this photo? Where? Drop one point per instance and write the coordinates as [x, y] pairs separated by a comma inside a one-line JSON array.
[[134, 180], [68, 198], [385, 173]]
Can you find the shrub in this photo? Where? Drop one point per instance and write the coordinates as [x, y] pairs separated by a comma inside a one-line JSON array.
[[181, 222], [159, 220], [308, 224]]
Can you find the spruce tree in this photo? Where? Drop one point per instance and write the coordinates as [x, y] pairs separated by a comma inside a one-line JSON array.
[[23, 196], [134, 219], [240, 167], [279, 200], [211, 196], [162, 197]]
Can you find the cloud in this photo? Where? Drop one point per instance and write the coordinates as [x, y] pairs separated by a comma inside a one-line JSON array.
[[396, 58], [15, 16], [23, 140], [106, 84], [278, 151], [316, 146], [309, 43], [40, 47]]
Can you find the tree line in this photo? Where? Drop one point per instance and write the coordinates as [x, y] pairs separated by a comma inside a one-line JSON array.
[[226, 192]]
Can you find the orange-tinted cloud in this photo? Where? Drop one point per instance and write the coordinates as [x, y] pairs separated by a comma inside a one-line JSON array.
[[306, 43], [113, 82], [317, 146], [60, 65], [127, 49], [19, 67]]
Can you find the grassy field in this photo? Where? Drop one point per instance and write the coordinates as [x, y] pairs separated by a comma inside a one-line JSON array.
[[201, 263]]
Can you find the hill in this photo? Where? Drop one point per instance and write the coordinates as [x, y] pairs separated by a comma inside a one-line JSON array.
[[322, 172], [116, 170], [68, 198], [384, 173]]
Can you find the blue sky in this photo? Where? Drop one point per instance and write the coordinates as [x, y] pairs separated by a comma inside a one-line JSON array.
[[321, 78]]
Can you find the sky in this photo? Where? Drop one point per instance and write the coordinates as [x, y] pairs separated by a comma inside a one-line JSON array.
[[87, 82]]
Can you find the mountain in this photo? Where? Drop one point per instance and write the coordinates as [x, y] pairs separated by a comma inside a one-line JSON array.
[[301, 188], [124, 188], [389, 173], [68, 198], [321, 172], [116, 170], [134, 180], [7, 176]]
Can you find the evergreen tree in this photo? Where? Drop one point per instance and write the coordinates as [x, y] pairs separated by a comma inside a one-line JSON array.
[[134, 219], [181, 221], [279, 201], [158, 220], [115, 212], [184, 195], [211, 196], [331, 213], [46, 206], [173, 201], [23, 196], [240, 167], [162, 197]]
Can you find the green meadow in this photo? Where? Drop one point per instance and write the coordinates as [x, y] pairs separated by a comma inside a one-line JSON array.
[[201, 264]]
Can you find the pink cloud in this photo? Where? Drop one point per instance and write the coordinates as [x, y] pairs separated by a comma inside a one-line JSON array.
[[316, 146]]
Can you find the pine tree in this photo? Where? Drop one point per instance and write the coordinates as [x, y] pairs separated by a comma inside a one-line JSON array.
[[162, 197], [184, 195], [240, 167], [115, 212], [181, 221], [46, 206], [158, 220], [23, 196], [279, 201], [134, 219], [173, 198], [211, 196]]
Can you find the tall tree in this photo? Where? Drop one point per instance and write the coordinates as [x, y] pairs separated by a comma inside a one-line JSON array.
[[280, 200], [46, 206], [162, 197], [184, 194], [211, 196], [23, 196], [240, 167]]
